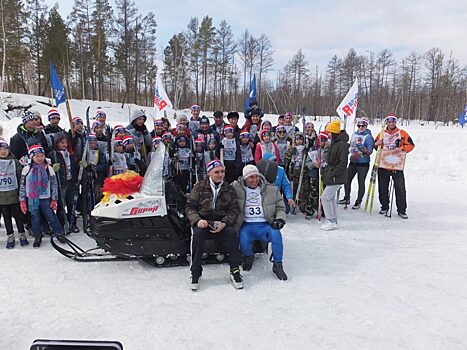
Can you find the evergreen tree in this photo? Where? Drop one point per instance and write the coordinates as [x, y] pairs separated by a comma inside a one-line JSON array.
[[56, 46], [36, 11]]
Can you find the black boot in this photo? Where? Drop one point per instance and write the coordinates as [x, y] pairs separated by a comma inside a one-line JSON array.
[[236, 278], [248, 262], [37, 242], [279, 271], [344, 201]]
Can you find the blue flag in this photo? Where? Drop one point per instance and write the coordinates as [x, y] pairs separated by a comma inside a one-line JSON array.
[[252, 95], [57, 87], [463, 117]]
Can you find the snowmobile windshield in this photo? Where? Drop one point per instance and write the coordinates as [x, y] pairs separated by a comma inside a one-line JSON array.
[[153, 183]]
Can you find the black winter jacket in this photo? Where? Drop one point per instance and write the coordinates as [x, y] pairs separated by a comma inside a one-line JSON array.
[[336, 171], [21, 141]]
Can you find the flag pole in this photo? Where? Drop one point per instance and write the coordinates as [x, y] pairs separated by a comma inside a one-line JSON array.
[[70, 118]]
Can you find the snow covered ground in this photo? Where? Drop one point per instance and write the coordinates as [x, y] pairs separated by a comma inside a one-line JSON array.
[[376, 283]]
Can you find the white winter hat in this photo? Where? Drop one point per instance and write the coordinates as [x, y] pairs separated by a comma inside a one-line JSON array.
[[250, 170], [181, 117]]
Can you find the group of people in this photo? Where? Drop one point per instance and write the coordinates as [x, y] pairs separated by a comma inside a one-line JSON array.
[[48, 172]]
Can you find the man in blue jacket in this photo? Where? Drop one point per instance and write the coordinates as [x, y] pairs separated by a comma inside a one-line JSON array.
[[361, 146]]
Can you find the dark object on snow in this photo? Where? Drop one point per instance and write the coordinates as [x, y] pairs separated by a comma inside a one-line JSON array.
[[10, 108], [45, 103], [49, 344]]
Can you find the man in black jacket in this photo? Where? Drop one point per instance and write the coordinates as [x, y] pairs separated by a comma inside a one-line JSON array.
[[212, 209], [335, 174], [27, 134]]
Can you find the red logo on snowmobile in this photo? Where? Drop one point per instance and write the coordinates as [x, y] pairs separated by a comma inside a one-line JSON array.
[[136, 210]]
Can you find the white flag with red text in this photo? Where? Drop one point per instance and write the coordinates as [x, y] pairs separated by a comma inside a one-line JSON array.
[[348, 107], [161, 100]]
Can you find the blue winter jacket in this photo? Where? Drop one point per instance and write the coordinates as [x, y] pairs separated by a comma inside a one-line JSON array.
[[361, 147], [282, 183]]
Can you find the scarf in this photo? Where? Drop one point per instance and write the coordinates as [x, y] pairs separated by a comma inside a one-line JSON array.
[[38, 180]]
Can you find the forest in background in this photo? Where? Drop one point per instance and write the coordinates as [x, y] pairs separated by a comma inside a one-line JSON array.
[[109, 54]]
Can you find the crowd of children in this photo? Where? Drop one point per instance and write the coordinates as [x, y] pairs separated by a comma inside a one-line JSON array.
[[44, 169]]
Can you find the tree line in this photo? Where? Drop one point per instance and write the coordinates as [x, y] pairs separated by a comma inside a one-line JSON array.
[[105, 53]]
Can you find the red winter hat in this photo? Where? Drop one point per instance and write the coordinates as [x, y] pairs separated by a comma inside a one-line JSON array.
[[35, 149], [228, 128], [264, 132], [245, 133], [53, 113], [126, 140], [119, 127], [77, 120]]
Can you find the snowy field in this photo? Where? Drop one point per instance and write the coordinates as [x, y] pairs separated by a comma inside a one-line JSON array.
[[375, 283]]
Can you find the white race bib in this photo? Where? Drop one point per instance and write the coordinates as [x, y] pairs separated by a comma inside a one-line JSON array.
[[253, 210], [230, 148], [8, 180]]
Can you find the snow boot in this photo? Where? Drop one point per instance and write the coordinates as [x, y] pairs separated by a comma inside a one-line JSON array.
[[328, 226], [356, 205], [236, 278], [10, 243], [37, 241], [383, 211], [403, 215], [23, 239], [248, 262], [344, 201], [310, 213], [278, 269], [194, 283]]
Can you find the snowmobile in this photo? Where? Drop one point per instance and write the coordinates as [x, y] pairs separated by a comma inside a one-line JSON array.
[[149, 225]]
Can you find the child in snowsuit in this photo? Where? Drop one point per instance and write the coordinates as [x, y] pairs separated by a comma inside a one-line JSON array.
[[119, 165], [10, 172], [200, 164], [297, 154], [182, 163], [232, 155], [282, 143], [246, 148], [66, 172], [39, 193], [212, 152], [103, 141], [133, 157], [315, 159], [96, 170], [265, 146]]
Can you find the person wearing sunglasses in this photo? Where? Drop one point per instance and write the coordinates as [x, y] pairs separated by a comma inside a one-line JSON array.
[[361, 147], [212, 210], [282, 143], [395, 139]]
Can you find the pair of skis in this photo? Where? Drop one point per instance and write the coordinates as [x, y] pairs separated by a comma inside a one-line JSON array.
[[302, 169], [374, 174]]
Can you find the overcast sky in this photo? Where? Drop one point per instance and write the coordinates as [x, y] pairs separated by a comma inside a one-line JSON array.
[[323, 28]]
